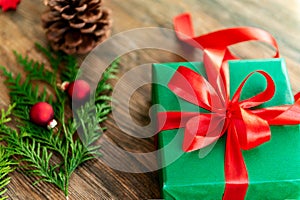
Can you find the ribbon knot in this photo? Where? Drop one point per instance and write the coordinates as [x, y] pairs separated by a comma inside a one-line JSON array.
[[232, 111]]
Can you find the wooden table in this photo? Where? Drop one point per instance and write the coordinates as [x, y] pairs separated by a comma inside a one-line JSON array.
[[94, 179]]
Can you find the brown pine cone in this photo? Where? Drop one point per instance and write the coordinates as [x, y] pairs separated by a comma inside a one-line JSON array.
[[76, 26]]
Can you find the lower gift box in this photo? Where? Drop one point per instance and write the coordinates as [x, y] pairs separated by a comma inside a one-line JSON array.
[[273, 167]]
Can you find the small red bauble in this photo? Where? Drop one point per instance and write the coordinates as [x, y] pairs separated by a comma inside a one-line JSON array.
[[42, 114], [78, 90]]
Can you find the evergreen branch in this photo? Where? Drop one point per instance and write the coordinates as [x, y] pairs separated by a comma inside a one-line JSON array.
[[35, 157], [22, 92], [35, 69], [38, 146], [71, 70], [109, 73], [55, 58], [5, 114], [5, 169], [5, 162]]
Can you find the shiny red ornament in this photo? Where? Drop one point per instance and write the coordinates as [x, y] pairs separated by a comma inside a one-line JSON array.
[[78, 90], [9, 4], [42, 114]]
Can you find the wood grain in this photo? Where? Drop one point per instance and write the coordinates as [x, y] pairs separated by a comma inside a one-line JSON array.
[[95, 179]]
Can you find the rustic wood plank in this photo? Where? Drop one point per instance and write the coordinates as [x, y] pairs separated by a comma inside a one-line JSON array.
[[94, 179]]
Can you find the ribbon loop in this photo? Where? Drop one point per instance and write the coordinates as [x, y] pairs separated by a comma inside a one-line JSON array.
[[220, 39], [258, 99], [193, 88]]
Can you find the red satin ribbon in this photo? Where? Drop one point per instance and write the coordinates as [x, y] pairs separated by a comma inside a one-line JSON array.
[[245, 128]]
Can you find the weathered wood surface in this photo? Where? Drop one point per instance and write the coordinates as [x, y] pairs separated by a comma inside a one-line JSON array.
[[95, 180]]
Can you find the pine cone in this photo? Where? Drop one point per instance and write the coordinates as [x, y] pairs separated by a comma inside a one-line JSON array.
[[76, 26]]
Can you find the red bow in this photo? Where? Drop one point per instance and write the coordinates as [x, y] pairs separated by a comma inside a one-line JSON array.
[[245, 128]]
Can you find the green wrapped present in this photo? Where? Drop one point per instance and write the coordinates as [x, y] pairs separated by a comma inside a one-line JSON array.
[[273, 167]]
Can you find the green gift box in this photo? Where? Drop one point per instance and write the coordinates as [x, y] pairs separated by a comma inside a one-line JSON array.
[[273, 167]]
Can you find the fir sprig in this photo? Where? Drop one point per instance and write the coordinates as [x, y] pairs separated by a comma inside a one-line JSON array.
[[5, 169], [53, 155], [35, 69], [6, 162]]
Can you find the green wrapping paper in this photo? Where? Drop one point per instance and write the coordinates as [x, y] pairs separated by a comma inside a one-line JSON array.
[[273, 167]]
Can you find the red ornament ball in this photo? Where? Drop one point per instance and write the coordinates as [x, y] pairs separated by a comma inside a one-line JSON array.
[[79, 90], [42, 114]]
